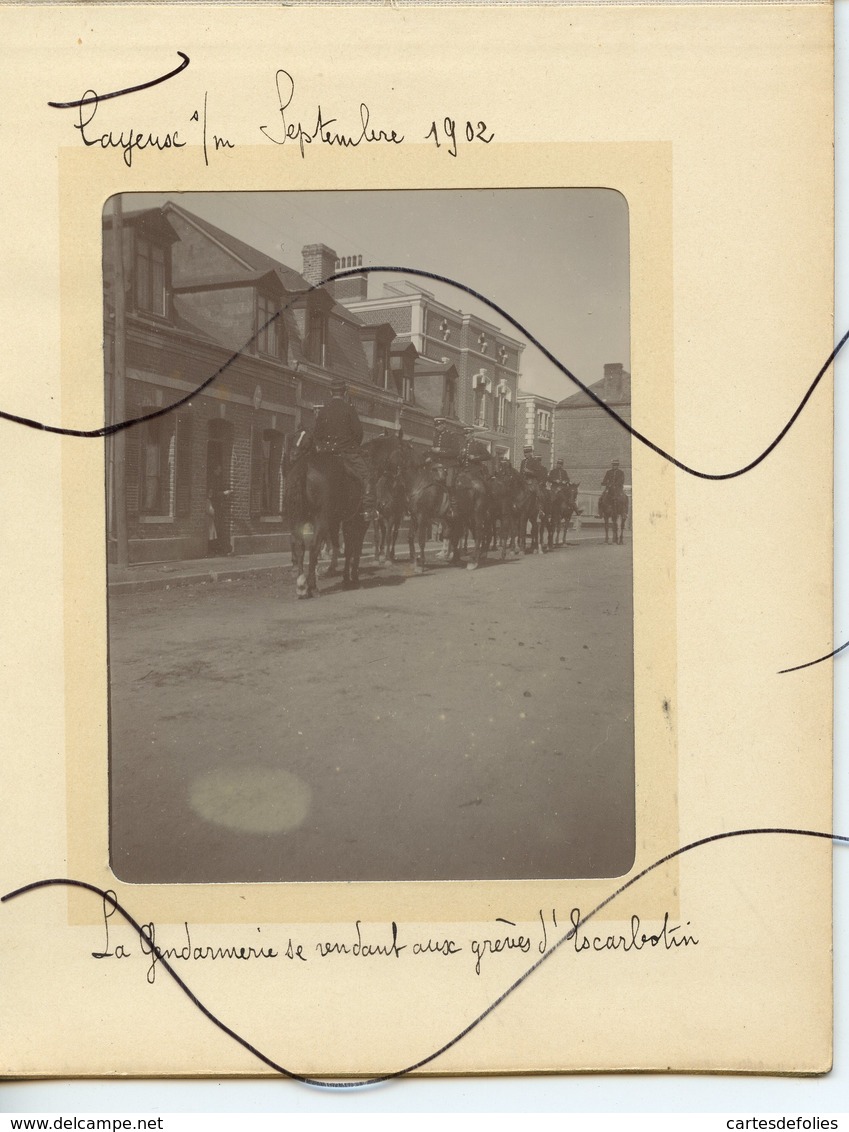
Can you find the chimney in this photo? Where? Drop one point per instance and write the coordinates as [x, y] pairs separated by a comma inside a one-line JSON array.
[[319, 263], [613, 381], [355, 288]]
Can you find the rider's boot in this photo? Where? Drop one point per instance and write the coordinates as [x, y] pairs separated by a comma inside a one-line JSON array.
[[369, 503]]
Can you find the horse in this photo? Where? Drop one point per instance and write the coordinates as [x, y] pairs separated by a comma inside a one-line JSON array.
[[502, 488], [530, 508], [393, 463], [390, 497], [320, 498], [613, 508], [470, 513], [429, 503]]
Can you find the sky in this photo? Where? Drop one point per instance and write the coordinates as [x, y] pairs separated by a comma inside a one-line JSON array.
[[556, 260]]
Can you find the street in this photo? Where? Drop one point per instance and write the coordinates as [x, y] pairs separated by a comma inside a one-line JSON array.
[[453, 725]]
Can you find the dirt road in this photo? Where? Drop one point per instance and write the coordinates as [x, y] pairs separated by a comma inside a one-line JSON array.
[[452, 725]]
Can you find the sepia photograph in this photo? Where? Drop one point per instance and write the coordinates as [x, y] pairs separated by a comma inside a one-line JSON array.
[[412, 672], [369, 549]]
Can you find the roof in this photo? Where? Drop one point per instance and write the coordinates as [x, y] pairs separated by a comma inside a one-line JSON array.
[[582, 400], [253, 257], [425, 365], [211, 282], [258, 261]]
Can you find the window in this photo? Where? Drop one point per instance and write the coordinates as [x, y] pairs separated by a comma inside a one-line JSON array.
[[407, 383], [317, 338], [157, 467], [502, 409], [482, 387], [270, 333], [381, 365], [150, 276], [543, 422], [503, 396]]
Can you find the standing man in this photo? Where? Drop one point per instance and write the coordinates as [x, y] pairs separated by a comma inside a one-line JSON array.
[[338, 426]]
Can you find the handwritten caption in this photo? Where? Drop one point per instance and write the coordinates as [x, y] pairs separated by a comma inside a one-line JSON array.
[[300, 130], [389, 942]]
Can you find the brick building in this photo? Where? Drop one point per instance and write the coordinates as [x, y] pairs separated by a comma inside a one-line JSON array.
[[466, 369], [197, 306], [536, 426], [587, 439]]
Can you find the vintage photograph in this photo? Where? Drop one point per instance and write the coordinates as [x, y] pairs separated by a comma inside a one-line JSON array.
[[369, 550]]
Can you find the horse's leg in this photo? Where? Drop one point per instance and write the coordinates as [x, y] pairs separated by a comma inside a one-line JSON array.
[[482, 525], [314, 545], [394, 528], [298, 548], [355, 531], [456, 531], [359, 538], [422, 532], [476, 529]]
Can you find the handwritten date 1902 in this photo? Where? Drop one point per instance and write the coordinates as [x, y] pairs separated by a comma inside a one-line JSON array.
[[446, 133]]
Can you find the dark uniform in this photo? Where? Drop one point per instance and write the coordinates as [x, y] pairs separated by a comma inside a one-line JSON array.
[[474, 451], [446, 441], [613, 484], [614, 479], [558, 474], [531, 467]]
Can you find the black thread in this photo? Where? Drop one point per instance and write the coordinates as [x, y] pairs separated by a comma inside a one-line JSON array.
[[126, 90], [819, 660], [358, 1084]]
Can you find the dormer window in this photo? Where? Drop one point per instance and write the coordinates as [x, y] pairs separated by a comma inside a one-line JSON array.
[[270, 330], [407, 392], [317, 338], [151, 276], [381, 365]]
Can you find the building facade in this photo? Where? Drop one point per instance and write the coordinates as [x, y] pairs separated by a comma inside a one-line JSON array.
[[536, 425], [467, 369], [245, 350], [588, 439]]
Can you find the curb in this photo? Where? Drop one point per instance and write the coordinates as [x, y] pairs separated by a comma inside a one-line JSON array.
[[230, 573]]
